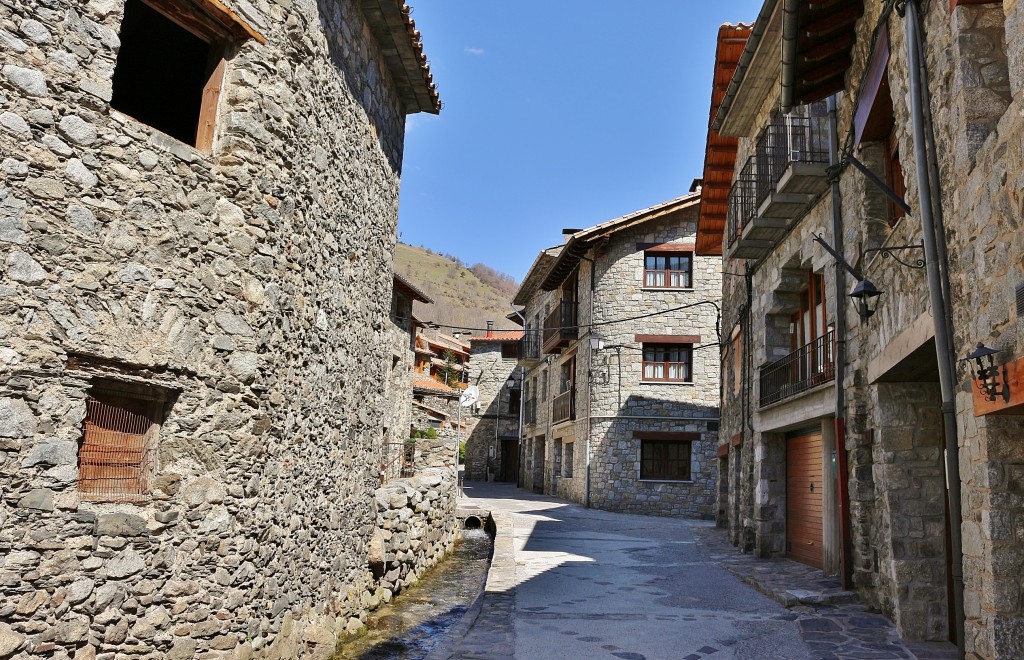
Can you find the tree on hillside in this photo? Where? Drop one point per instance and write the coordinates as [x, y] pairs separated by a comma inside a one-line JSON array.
[[449, 372]]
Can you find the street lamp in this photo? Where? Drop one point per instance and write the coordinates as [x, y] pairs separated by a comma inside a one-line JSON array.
[[986, 378], [864, 295]]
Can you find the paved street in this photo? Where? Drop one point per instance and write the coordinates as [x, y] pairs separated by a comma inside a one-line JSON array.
[[568, 582]]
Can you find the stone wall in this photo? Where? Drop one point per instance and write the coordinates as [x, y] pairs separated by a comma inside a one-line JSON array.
[[612, 401], [247, 288], [416, 527], [493, 420], [893, 441]]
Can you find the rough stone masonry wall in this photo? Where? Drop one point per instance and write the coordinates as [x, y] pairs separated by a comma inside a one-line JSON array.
[[416, 527], [622, 404], [250, 283], [490, 372]]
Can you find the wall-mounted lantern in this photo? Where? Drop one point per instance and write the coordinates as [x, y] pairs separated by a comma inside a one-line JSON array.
[[864, 295], [987, 378]]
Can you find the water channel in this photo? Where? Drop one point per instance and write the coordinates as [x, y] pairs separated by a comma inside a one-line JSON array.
[[416, 621]]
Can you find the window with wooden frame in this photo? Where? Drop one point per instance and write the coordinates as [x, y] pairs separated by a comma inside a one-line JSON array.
[[810, 332], [668, 362], [666, 456], [117, 452], [668, 270], [894, 175], [170, 65], [514, 401]]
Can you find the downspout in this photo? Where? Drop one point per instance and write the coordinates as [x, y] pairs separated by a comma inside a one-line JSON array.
[[522, 389], [845, 537], [943, 344], [590, 379], [789, 35]]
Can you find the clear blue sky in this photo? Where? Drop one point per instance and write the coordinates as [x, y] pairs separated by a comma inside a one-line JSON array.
[[557, 113]]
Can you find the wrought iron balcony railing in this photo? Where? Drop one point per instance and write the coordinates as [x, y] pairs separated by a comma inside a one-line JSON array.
[[563, 407], [803, 369], [789, 140], [742, 202]]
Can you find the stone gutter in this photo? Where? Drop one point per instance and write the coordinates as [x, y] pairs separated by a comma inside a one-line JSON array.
[[492, 612]]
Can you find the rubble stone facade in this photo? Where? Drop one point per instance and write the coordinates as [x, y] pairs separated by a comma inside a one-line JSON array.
[[492, 444], [240, 293], [899, 558], [616, 410]]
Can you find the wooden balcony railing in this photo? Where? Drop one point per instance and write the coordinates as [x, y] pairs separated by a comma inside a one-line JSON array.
[[563, 408], [801, 370], [560, 327]]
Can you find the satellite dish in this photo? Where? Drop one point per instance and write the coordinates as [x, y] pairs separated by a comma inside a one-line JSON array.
[[469, 396]]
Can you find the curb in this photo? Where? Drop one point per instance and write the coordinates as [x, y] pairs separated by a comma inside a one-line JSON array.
[[493, 606]]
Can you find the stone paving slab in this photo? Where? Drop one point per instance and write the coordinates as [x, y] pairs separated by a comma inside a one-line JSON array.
[[569, 611], [835, 623]]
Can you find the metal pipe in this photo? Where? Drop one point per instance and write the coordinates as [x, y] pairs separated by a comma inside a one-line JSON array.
[[789, 36], [845, 540], [947, 373]]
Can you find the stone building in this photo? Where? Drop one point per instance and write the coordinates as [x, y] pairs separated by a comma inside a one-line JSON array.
[[404, 328], [621, 366], [197, 213], [838, 413], [492, 441]]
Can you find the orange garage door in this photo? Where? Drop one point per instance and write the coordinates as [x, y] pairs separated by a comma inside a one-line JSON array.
[[803, 500]]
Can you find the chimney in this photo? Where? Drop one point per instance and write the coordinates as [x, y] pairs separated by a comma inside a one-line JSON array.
[[568, 232], [490, 328]]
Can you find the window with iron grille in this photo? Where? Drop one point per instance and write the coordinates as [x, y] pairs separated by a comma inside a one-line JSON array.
[[668, 362], [666, 460], [668, 270], [117, 453]]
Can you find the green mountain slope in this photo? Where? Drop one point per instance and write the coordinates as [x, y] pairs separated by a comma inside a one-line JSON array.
[[463, 295]]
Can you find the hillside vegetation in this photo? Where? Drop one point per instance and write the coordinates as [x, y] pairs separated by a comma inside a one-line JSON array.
[[463, 295]]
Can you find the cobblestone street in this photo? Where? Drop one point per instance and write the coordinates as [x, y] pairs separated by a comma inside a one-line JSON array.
[[570, 582]]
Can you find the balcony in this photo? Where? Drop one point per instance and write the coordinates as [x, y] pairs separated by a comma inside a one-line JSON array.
[[563, 407], [529, 349], [530, 411], [792, 155], [560, 327], [776, 184], [803, 369]]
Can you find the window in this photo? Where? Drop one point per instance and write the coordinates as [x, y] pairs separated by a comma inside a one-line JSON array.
[[669, 270], [510, 350], [514, 399], [665, 459], [170, 65], [567, 455], [117, 454], [894, 176], [809, 332], [668, 362]]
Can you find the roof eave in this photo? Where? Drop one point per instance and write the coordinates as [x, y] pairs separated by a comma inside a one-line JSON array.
[[402, 50], [756, 76]]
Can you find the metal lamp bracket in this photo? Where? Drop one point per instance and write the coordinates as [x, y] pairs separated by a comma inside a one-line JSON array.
[[887, 253]]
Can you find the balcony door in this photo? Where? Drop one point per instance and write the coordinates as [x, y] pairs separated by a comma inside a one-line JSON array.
[[808, 331]]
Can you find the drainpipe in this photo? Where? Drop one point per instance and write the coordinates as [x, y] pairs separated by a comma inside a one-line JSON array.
[[590, 378], [789, 35], [846, 542], [943, 343], [522, 388]]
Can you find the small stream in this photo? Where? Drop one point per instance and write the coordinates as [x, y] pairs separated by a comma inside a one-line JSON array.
[[414, 622]]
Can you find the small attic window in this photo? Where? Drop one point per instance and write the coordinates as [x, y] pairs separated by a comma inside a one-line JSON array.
[[170, 66]]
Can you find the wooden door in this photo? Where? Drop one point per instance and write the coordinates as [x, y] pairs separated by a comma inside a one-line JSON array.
[[509, 460], [804, 487]]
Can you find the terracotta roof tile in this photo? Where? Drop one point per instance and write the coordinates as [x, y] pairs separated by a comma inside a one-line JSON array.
[[433, 385], [504, 335]]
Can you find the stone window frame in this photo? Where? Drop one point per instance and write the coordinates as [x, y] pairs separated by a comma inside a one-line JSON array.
[[667, 251], [224, 32], [150, 398], [681, 440]]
